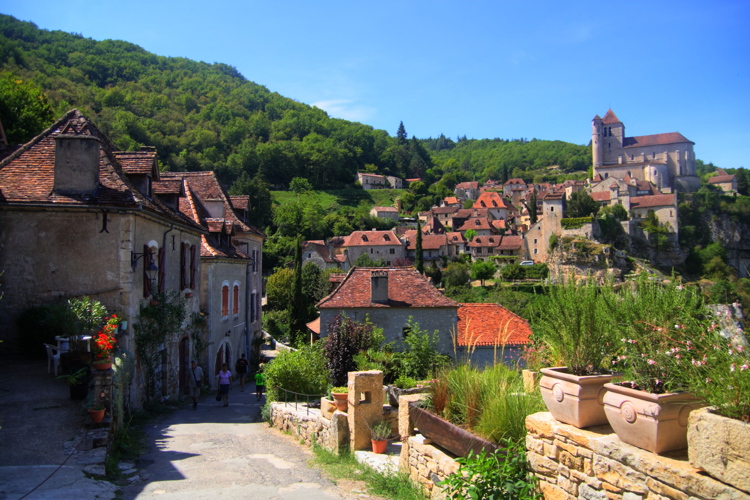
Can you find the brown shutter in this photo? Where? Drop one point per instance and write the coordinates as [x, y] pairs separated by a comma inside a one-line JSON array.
[[162, 266], [193, 266], [225, 300], [183, 265], [146, 263], [236, 298]]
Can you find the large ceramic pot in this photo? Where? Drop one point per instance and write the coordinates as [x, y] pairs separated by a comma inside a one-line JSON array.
[[341, 400], [573, 399], [654, 422], [720, 446]]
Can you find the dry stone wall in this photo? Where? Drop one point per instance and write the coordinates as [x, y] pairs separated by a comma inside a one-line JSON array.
[[593, 464], [310, 426]]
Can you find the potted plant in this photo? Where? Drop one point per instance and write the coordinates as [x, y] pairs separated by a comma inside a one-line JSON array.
[[719, 374], [340, 396], [380, 432], [576, 328], [96, 413], [659, 323], [77, 382], [104, 343]]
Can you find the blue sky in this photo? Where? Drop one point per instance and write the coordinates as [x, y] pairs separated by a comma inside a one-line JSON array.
[[483, 69]]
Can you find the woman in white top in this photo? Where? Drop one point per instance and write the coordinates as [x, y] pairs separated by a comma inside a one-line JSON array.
[[225, 383]]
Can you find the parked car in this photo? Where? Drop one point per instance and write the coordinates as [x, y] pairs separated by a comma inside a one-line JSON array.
[[527, 263]]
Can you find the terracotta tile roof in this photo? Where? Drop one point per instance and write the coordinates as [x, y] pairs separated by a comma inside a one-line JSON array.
[[202, 187], [372, 238], [656, 200], [490, 324], [601, 196], [429, 241], [455, 237], [28, 174], [171, 186], [314, 326], [240, 202], [468, 185], [464, 213], [485, 242], [319, 247], [498, 224], [451, 200], [655, 140], [141, 162], [514, 181], [476, 223], [511, 242], [444, 210], [406, 289], [598, 177], [385, 209], [719, 179], [610, 117], [490, 199]]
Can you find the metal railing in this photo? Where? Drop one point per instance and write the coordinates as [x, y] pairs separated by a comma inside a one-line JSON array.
[[315, 398]]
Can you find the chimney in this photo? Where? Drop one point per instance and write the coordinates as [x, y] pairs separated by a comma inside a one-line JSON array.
[[76, 164], [379, 287]]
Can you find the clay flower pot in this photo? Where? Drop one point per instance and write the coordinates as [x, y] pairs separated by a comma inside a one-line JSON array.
[[96, 415], [103, 364], [573, 399], [379, 446], [653, 422], [341, 400]]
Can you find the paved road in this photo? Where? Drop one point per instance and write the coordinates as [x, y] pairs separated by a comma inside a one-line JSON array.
[[215, 453]]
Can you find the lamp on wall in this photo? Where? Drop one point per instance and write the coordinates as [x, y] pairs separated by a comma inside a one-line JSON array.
[[151, 269]]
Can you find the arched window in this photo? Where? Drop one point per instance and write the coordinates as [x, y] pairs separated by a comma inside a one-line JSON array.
[[225, 300]]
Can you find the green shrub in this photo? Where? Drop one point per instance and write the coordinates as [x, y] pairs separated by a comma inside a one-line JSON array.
[[303, 371], [346, 339], [500, 475], [405, 382], [575, 223], [420, 356], [276, 323]]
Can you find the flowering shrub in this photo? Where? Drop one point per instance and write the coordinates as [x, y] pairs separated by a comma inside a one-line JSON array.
[[658, 324], [719, 373], [104, 340]]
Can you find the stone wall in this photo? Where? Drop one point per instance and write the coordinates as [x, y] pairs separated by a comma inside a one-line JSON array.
[[310, 426], [594, 464]]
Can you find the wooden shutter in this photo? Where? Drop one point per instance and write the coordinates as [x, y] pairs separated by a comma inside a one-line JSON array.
[[236, 300], [146, 263], [162, 268], [193, 266], [225, 300], [183, 265]]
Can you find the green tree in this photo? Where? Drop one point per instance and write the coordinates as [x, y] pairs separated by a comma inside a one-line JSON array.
[[482, 270], [297, 309], [279, 289], [300, 185], [456, 275], [742, 183], [434, 273], [532, 208], [364, 260], [418, 255], [470, 234], [401, 136], [24, 108], [581, 204]]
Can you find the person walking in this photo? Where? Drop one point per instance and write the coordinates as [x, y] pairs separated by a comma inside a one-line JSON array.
[[240, 368], [196, 382], [225, 383], [260, 383]]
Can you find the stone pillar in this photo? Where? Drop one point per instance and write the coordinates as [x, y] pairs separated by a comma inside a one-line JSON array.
[[365, 406]]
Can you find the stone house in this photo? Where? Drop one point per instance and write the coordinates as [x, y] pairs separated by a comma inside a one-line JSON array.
[[489, 333], [456, 244], [372, 181], [231, 267], [494, 204], [467, 190], [663, 205], [317, 252], [385, 213], [380, 245], [434, 246], [725, 182], [78, 218], [388, 297]]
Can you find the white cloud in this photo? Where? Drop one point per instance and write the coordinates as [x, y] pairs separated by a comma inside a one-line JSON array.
[[346, 109]]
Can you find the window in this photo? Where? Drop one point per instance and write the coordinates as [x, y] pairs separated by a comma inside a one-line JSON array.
[[255, 260], [252, 308], [148, 259], [162, 268], [225, 300], [536, 251], [535, 241], [184, 265], [392, 251], [236, 298], [193, 265]]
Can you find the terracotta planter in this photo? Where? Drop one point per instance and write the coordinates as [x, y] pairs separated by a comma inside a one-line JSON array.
[[96, 415], [379, 446], [102, 366], [572, 399], [720, 446], [340, 398], [653, 422], [443, 433]]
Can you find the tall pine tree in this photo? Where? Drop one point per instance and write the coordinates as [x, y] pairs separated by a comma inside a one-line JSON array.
[[297, 307], [401, 136], [418, 257]]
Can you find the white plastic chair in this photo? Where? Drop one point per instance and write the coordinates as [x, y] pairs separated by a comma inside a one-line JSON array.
[[53, 357]]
